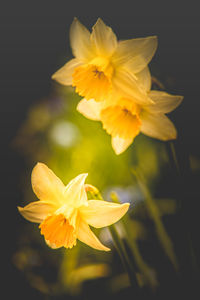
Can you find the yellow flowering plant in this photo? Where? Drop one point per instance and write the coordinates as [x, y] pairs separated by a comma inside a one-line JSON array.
[[124, 117], [103, 64], [115, 84], [65, 213], [114, 79]]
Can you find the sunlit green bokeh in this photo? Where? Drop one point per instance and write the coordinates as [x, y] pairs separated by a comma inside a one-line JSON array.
[[56, 134]]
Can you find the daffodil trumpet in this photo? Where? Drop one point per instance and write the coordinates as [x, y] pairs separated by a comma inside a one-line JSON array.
[[102, 64], [64, 212]]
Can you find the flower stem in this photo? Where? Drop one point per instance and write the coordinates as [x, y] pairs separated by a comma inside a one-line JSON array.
[[124, 258], [154, 212], [141, 264], [180, 166], [173, 157], [119, 244]]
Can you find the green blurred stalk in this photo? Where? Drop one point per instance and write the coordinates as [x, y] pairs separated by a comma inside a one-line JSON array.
[[154, 212], [173, 157], [181, 167], [124, 258], [142, 266], [119, 244]]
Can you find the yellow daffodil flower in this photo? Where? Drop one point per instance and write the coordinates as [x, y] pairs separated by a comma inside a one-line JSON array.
[[65, 213], [102, 63], [124, 117]]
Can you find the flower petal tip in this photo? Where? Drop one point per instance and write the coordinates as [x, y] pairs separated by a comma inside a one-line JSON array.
[[170, 138], [21, 211], [19, 208], [53, 76], [107, 249], [155, 37], [126, 205], [103, 248], [75, 21], [84, 175], [125, 208], [181, 99], [38, 165], [99, 21]]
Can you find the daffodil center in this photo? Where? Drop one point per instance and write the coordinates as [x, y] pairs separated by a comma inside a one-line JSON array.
[[93, 80], [129, 106], [98, 73], [60, 231], [122, 119], [103, 65], [126, 111]]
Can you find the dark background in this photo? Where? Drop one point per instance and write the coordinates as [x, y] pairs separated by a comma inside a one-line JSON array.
[[34, 43]]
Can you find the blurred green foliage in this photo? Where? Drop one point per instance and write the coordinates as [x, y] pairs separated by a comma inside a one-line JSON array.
[[56, 134]]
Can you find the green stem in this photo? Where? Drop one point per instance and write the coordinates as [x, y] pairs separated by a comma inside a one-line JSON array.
[[173, 157], [180, 165], [142, 266], [124, 258], [94, 192], [154, 212]]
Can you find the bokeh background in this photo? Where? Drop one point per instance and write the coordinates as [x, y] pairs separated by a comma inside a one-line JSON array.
[[34, 44]]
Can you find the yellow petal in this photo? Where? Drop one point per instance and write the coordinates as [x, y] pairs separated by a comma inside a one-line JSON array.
[[144, 78], [164, 102], [158, 126], [101, 213], [64, 74], [120, 144], [80, 41], [37, 211], [46, 185], [130, 87], [86, 236], [103, 39], [135, 54], [75, 193], [90, 109]]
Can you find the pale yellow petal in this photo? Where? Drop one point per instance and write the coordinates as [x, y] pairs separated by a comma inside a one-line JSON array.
[[120, 145], [86, 236], [46, 185], [90, 109], [64, 74], [103, 39], [164, 102], [158, 126], [75, 193], [37, 211], [144, 78], [130, 87], [135, 54], [102, 213], [80, 41]]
